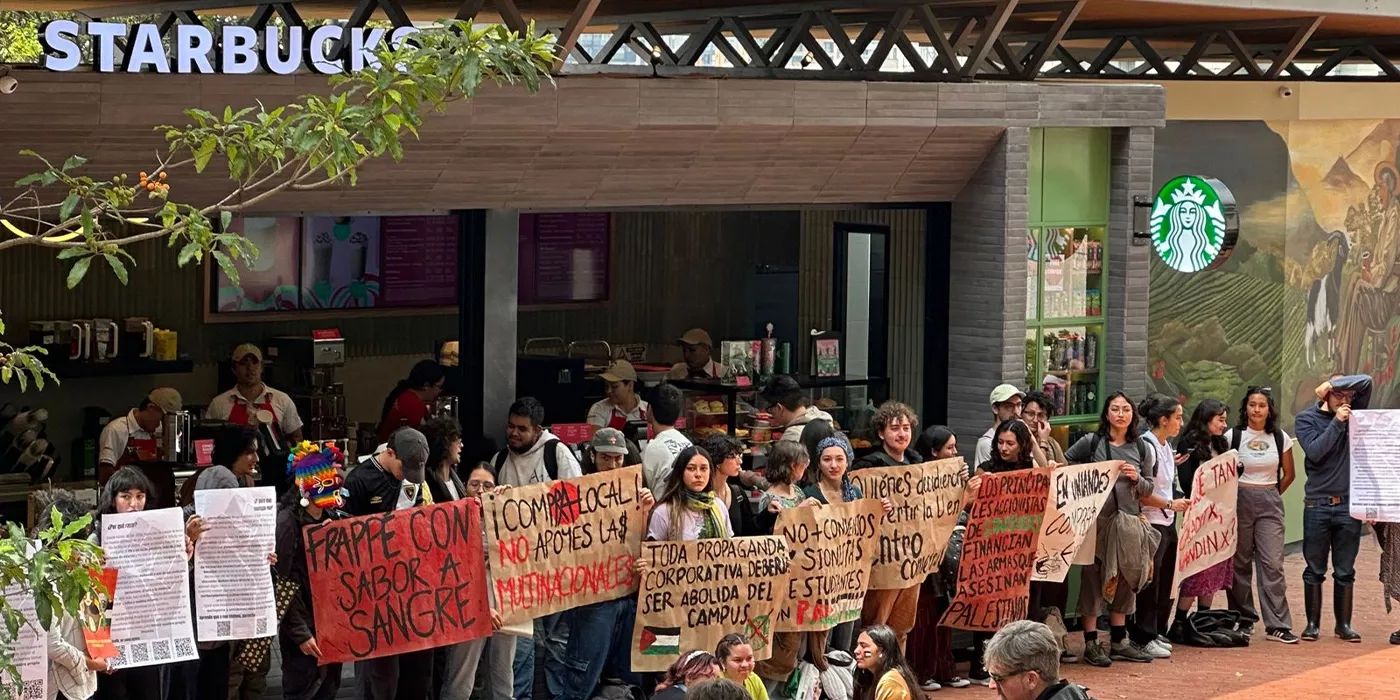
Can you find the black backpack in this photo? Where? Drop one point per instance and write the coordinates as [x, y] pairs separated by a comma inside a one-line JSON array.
[[551, 459], [1278, 445]]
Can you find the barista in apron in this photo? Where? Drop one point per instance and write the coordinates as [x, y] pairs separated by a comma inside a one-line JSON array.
[[252, 403], [134, 437], [621, 404], [696, 347]]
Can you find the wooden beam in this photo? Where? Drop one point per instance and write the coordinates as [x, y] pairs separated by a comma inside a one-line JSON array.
[[1290, 51], [1052, 40], [469, 9], [510, 15], [1237, 47], [991, 30], [573, 29], [1193, 56]]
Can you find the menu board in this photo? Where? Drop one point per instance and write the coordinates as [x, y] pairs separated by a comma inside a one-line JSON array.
[[340, 262], [420, 261], [270, 283], [564, 257]]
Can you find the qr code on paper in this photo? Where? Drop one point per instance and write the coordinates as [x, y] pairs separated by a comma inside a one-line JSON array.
[[161, 650], [33, 690], [261, 626], [184, 647], [121, 659], [140, 653], [223, 628]]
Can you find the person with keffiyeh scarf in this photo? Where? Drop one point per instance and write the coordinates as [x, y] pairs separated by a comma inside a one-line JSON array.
[[687, 509]]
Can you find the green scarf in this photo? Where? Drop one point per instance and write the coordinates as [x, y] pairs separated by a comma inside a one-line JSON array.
[[710, 510]]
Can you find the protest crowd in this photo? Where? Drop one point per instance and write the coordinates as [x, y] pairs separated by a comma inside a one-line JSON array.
[[669, 571]]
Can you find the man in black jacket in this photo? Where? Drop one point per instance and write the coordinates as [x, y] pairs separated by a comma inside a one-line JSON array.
[[1023, 659], [392, 479]]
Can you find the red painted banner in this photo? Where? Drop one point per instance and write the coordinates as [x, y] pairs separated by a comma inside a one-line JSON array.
[[398, 582]]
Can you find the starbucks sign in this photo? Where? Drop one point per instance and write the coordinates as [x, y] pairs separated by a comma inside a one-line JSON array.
[[1194, 223]]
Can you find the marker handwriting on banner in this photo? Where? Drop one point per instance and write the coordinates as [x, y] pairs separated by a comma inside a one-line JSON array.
[[564, 544], [927, 499], [833, 548], [1209, 526], [1077, 494], [999, 550], [396, 582], [693, 593]]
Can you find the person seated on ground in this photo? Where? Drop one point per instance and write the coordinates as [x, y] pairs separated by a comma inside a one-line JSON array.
[[882, 673], [1023, 660], [692, 669], [722, 689]]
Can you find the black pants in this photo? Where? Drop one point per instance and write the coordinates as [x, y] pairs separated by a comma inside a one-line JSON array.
[[1045, 595], [403, 677], [1154, 603], [130, 684], [302, 679]]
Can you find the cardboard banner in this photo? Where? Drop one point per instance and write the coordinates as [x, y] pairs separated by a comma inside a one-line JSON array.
[[396, 582], [927, 499], [1209, 528], [1077, 494], [832, 549], [1375, 440], [564, 544], [694, 593], [999, 551]]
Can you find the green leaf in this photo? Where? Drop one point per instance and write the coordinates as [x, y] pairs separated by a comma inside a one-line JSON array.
[[225, 219], [187, 254], [79, 270], [74, 162], [393, 120], [5, 373], [118, 267], [204, 153], [226, 263], [69, 204], [28, 180], [70, 253], [89, 224]]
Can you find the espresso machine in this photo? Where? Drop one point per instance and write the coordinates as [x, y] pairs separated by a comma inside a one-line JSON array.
[[305, 367]]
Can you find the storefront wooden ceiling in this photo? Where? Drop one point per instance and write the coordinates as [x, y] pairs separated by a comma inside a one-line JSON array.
[[590, 142]]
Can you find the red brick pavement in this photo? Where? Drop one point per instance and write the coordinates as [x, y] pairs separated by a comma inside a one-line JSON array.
[[1328, 668]]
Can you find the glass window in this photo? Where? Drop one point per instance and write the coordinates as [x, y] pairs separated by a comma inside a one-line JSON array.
[[1070, 362], [1073, 273], [1033, 274]]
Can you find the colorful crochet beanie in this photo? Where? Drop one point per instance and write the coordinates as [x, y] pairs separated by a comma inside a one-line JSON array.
[[317, 469]]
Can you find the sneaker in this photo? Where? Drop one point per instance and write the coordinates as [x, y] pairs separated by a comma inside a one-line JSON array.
[[958, 682], [1127, 651], [979, 677], [1164, 641], [1094, 655], [1282, 635], [1068, 657], [1157, 651], [931, 685]]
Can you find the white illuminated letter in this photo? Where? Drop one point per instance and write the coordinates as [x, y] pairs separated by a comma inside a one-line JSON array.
[[192, 45], [239, 53], [316, 49], [60, 40], [397, 39], [363, 44], [272, 61], [144, 48], [104, 44]]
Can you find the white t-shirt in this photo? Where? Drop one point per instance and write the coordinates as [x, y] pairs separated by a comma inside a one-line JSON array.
[[1162, 483], [1259, 457], [984, 448], [661, 451], [283, 408], [601, 413], [112, 444]]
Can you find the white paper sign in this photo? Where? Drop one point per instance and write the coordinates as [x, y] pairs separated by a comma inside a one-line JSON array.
[[151, 620], [232, 578], [1077, 494], [31, 654], [1375, 465]]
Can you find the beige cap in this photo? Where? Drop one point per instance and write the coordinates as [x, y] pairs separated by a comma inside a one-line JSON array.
[[245, 350], [1004, 393], [696, 336], [620, 371], [167, 399]]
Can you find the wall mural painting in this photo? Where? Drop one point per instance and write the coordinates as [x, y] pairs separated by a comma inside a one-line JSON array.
[[1314, 287]]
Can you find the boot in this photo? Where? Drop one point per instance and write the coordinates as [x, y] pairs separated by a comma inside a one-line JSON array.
[[1312, 606], [1341, 602]]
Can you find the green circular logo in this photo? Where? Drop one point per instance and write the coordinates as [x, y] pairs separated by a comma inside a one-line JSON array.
[[1194, 223]]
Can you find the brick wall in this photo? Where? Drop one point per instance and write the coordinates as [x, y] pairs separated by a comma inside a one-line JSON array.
[[987, 292], [1128, 264]]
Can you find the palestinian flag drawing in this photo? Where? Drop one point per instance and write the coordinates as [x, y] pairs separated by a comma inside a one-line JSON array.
[[660, 641]]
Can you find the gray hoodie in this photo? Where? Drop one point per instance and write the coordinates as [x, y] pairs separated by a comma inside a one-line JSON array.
[[792, 432]]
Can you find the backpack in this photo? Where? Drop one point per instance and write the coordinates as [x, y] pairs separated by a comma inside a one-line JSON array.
[[1094, 452], [551, 459], [1278, 445]]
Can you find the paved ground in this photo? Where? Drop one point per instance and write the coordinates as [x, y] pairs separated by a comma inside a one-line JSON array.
[[1328, 668]]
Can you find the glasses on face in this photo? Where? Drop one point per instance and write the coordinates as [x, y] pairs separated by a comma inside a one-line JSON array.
[[481, 484], [1000, 678]]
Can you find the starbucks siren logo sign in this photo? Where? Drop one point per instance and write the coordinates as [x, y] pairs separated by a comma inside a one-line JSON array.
[[1194, 223]]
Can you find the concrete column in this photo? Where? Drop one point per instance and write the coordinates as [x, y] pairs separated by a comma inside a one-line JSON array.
[[501, 272], [1129, 266], [987, 286]]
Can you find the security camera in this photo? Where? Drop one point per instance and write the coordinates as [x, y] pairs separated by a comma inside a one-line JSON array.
[[8, 83], [1285, 91]]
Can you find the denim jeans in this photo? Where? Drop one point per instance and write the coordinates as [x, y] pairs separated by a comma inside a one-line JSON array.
[[549, 632], [1330, 528], [599, 639]]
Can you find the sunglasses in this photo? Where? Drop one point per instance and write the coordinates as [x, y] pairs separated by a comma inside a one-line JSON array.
[[1259, 390], [1002, 677]]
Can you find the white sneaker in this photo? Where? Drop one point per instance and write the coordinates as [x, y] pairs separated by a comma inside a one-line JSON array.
[[1157, 651], [1164, 641], [930, 685]]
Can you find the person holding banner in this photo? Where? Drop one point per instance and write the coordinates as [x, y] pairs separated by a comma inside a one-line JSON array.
[[317, 472], [1124, 545], [1328, 527], [930, 645], [894, 422], [72, 672], [728, 456], [1154, 603], [688, 509], [882, 673]]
